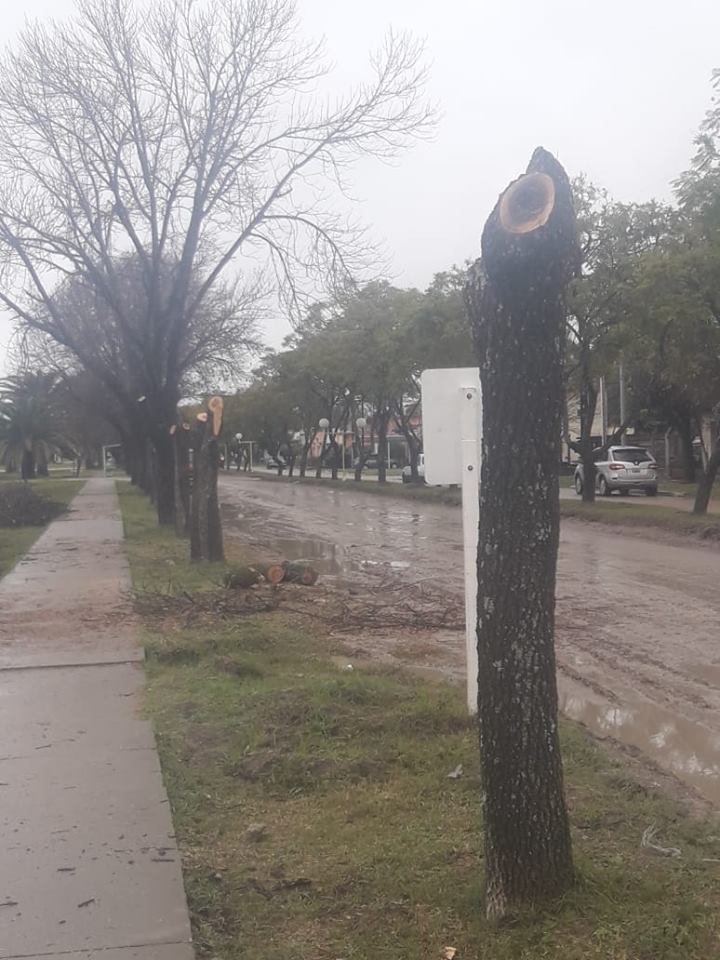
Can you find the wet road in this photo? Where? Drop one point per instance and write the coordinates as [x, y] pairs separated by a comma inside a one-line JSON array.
[[637, 619]]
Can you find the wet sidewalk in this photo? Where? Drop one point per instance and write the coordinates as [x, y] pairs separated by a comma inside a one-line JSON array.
[[90, 869]]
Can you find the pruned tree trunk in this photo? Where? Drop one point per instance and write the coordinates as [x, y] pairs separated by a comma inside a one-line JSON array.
[[206, 542], [181, 439], [515, 298]]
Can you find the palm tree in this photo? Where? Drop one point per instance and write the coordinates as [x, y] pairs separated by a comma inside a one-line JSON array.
[[30, 422]]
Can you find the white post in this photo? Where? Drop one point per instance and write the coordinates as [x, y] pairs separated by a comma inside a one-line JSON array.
[[469, 433], [343, 455]]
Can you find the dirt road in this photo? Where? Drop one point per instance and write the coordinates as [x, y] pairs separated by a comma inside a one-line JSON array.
[[637, 642]]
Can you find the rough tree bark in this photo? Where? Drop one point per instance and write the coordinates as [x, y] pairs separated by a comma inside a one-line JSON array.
[[182, 440], [515, 298], [206, 542]]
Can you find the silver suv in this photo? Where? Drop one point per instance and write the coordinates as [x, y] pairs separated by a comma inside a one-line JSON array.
[[623, 469]]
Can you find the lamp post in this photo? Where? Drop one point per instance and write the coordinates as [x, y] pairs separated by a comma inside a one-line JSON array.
[[238, 438]]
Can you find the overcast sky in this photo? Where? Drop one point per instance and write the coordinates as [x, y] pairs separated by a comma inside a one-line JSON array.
[[615, 89]]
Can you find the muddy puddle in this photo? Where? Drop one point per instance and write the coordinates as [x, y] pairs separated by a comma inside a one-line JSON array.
[[636, 620], [688, 750]]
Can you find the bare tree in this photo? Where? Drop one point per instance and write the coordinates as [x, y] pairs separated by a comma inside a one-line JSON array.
[[190, 133]]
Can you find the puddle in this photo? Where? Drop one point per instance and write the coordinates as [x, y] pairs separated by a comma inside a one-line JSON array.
[[686, 749]]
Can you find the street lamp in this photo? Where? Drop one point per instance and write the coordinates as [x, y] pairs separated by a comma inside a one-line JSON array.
[[324, 425]]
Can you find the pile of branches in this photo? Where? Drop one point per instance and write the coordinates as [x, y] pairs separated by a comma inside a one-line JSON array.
[[393, 602], [387, 601], [21, 506], [186, 608]]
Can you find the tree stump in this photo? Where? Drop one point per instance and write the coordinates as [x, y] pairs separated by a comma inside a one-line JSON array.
[[515, 299], [206, 542]]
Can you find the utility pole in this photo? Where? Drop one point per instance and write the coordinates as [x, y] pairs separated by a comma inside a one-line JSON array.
[[621, 378]]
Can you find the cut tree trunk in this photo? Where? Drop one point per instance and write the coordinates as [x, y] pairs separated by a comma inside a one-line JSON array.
[[181, 438], [515, 299], [299, 573], [242, 578], [206, 542], [274, 574]]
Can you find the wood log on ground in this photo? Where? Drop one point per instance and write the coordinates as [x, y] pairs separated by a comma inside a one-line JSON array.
[[242, 578], [515, 299], [274, 573], [206, 542], [299, 573]]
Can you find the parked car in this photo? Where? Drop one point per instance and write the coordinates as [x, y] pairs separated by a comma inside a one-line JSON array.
[[623, 469], [373, 462], [407, 471]]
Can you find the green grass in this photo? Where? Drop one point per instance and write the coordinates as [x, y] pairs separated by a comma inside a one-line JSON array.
[[15, 542], [369, 851], [625, 515]]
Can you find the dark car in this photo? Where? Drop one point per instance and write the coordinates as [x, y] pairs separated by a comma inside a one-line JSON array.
[[373, 463]]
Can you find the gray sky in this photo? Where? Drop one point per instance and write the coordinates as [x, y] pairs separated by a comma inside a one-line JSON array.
[[615, 89]]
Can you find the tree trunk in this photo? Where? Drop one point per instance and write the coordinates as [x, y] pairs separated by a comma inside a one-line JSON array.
[[42, 463], [181, 440], [382, 448], [27, 465], [515, 298], [164, 461], [707, 479], [306, 453], [206, 543]]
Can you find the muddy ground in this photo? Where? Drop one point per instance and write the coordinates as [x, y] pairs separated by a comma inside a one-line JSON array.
[[637, 617]]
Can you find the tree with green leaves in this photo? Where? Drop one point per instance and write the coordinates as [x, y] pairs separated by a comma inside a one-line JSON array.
[[612, 237], [31, 423]]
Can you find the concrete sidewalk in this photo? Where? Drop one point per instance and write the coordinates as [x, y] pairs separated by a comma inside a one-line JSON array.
[[90, 869]]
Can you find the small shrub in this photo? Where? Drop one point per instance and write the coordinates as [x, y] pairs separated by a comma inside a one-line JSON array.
[[21, 506]]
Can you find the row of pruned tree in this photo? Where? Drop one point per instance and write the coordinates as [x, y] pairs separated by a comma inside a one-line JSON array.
[[165, 168]]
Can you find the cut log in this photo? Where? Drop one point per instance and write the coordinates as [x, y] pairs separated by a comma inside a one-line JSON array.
[[242, 578], [299, 573], [275, 573]]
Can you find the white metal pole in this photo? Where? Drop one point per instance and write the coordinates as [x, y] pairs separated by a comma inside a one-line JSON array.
[[469, 444], [251, 460]]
